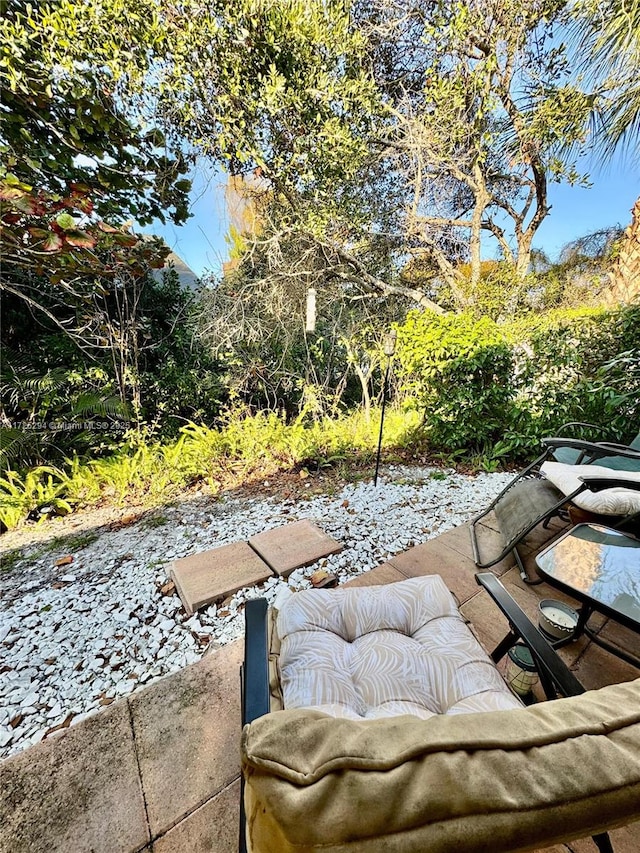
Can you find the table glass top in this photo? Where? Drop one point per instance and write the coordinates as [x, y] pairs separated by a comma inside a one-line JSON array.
[[599, 563]]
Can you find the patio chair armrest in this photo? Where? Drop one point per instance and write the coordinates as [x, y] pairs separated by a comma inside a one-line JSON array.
[[571, 424], [550, 666], [255, 671], [592, 450], [598, 484], [621, 449]]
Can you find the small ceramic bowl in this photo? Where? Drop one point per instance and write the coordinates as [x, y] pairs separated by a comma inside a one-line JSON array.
[[557, 619]]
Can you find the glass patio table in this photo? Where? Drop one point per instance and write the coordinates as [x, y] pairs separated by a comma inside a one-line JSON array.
[[599, 567]]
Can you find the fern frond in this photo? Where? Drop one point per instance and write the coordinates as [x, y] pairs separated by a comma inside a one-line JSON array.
[[89, 403], [16, 445]]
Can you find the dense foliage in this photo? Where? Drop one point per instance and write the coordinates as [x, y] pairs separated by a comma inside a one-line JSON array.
[[457, 369], [498, 389], [59, 399], [75, 167]]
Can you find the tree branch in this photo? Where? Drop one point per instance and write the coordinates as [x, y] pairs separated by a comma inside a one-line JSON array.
[[82, 343], [498, 233], [382, 286]]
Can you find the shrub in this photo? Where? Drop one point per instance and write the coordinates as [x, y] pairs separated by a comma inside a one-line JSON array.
[[41, 488], [498, 389], [459, 370], [574, 365]]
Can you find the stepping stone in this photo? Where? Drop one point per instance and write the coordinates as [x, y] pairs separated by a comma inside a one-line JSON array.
[[212, 575], [294, 545]]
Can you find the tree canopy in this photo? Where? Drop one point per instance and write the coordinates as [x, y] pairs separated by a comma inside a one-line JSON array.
[[75, 166], [382, 131]]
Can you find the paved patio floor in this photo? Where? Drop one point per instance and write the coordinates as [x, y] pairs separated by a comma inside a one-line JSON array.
[[159, 771]]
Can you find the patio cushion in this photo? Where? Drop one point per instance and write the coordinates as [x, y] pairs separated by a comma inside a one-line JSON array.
[[616, 501], [501, 781], [381, 651]]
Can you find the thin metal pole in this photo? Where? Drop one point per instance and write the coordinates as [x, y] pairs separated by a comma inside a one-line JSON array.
[[384, 402]]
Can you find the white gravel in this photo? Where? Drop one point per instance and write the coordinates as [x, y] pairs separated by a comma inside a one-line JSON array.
[[107, 629]]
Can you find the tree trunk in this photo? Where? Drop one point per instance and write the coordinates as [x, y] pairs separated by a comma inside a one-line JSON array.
[[625, 275]]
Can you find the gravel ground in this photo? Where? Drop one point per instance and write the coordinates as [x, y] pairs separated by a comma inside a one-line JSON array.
[[76, 637]]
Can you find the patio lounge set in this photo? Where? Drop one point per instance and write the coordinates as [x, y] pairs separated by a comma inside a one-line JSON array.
[[375, 721]]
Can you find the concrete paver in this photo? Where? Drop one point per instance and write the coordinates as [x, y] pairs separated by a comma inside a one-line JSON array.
[[376, 577], [624, 840], [618, 635], [489, 625], [489, 542], [529, 595], [212, 575], [187, 731], [542, 536], [294, 545], [491, 521], [78, 791], [212, 828], [599, 667], [435, 558]]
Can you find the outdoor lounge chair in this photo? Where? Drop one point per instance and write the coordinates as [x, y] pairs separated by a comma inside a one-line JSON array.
[[574, 451], [374, 721], [547, 488]]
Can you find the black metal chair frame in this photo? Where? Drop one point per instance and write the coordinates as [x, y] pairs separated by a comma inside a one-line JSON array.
[[556, 678], [254, 681], [552, 502]]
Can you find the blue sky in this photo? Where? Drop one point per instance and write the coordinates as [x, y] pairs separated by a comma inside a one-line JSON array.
[[575, 212], [200, 241]]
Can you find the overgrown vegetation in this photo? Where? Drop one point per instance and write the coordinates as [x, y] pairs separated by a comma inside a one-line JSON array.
[[246, 447], [379, 152], [496, 389], [467, 389]]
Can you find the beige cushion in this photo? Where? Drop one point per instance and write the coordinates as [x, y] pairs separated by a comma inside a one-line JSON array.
[[370, 652], [491, 782], [617, 501]]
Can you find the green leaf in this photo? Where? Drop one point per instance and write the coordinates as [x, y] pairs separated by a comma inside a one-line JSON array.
[[106, 228], [26, 204], [66, 221], [123, 239], [84, 204], [38, 233]]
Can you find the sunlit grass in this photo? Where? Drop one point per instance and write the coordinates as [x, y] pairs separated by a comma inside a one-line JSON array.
[[151, 472]]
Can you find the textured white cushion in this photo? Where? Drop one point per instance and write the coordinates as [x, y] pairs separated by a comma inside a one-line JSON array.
[[381, 651], [617, 501]]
